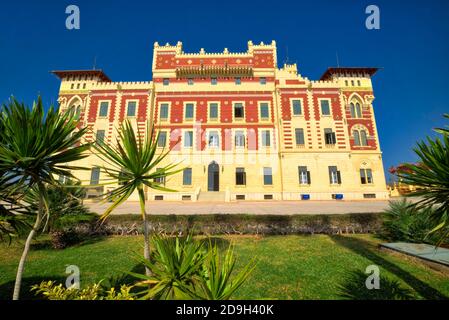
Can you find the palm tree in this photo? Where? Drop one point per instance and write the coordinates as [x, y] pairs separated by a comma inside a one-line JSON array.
[[132, 162], [35, 147], [431, 175]]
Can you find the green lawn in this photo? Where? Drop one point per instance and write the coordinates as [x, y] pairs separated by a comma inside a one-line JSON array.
[[289, 267]]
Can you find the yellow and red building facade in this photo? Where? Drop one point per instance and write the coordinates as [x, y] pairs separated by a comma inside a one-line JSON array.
[[242, 128]]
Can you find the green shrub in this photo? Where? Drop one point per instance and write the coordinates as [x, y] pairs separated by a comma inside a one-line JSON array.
[[52, 291], [64, 238], [65, 205], [12, 224], [404, 222]]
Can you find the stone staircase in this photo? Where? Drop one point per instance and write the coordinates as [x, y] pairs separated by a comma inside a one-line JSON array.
[[211, 196]]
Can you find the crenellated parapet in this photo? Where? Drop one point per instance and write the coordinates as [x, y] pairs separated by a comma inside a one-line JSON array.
[[171, 58], [123, 85]]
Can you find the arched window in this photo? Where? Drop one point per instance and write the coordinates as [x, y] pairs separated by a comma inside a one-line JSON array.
[[352, 108], [360, 138], [356, 137], [358, 110], [78, 112], [363, 138]]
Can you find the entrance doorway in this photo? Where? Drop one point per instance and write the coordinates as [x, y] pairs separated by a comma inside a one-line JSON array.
[[213, 178]]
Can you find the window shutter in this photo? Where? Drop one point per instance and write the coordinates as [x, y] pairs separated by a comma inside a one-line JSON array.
[[338, 177], [330, 175], [309, 181]]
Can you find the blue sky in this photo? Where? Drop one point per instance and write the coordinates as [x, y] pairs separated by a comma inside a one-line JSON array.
[[412, 46]]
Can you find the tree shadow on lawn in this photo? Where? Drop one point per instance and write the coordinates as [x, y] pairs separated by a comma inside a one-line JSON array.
[[7, 288], [364, 249], [48, 244], [354, 288]]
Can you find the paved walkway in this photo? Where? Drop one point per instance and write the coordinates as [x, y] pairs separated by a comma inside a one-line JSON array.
[[265, 207]]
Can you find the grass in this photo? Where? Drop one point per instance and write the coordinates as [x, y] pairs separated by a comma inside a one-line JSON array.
[[289, 267]]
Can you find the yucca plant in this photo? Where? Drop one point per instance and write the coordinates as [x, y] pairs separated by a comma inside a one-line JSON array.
[[404, 222], [175, 265], [431, 175], [217, 281], [443, 130], [36, 146], [132, 161], [185, 268]]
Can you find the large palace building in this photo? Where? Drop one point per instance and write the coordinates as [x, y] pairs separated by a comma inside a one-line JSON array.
[[243, 128]]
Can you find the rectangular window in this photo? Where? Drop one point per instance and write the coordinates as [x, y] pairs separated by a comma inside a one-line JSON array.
[[131, 109], [121, 177], [165, 81], [239, 139], [190, 81], [297, 107], [266, 142], [213, 81], [161, 178], [267, 176], [164, 111], [299, 136], [366, 176], [264, 111], [104, 106], [213, 111], [95, 176], [162, 139], [329, 137], [238, 81], [214, 140], [240, 176], [304, 175], [187, 177], [63, 179], [239, 111], [263, 80], [325, 108], [189, 111], [99, 137], [334, 175], [188, 139]]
